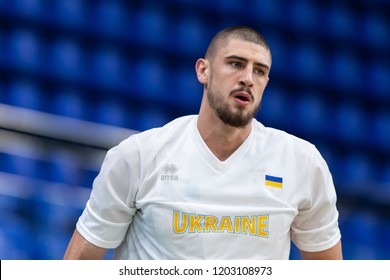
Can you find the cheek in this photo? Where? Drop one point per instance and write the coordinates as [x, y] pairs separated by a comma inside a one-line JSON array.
[[259, 92], [260, 97], [214, 82], [261, 85]]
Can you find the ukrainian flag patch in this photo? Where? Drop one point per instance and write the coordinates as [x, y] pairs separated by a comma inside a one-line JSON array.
[[273, 181]]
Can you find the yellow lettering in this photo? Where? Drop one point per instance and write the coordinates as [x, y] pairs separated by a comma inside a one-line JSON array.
[[195, 223], [262, 226], [184, 223], [249, 224], [237, 224], [253, 225], [210, 224], [226, 224]]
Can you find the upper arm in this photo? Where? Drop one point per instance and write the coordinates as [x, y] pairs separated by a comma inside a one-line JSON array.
[[80, 249], [333, 253], [315, 229]]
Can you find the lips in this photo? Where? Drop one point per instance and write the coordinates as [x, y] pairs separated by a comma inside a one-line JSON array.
[[242, 97]]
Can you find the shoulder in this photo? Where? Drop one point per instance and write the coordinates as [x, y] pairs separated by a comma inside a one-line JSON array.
[[280, 137], [156, 138], [173, 129], [169, 128], [282, 143]]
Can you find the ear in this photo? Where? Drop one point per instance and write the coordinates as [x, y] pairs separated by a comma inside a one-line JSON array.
[[202, 69], [267, 81]]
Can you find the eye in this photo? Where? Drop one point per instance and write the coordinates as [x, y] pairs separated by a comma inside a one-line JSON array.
[[236, 64], [260, 72]]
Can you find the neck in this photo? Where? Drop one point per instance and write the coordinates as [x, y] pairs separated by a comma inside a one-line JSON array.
[[222, 140]]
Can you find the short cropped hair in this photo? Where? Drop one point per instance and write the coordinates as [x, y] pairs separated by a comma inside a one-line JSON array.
[[237, 32]]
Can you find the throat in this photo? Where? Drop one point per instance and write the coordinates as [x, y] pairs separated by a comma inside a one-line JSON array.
[[223, 155], [223, 144]]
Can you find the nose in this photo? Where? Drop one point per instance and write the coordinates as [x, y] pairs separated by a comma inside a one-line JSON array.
[[247, 78]]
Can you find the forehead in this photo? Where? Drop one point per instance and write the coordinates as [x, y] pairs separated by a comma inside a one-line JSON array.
[[245, 49]]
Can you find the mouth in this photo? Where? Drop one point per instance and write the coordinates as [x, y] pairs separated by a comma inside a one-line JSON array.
[[242, 97]]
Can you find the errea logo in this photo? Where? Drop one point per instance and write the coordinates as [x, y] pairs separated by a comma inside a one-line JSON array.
[[169, 171]]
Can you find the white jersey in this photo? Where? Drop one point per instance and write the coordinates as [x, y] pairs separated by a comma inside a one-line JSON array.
[[162, 194]]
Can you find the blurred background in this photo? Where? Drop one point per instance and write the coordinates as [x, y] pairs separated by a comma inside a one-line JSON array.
[[79, 76]]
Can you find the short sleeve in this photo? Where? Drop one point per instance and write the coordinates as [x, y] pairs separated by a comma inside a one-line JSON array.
[[315, 228], [111, 207]]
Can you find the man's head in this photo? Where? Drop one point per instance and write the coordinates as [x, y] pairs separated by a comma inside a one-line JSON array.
[[243, 33], [234, 74]]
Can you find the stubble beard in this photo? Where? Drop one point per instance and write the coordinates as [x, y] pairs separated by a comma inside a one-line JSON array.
[[237, 118]]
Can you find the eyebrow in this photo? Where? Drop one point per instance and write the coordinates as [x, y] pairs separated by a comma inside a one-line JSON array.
[[246, 60]]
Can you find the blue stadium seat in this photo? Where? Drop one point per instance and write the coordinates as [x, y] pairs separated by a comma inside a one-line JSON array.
[[357, 173], [64, 168], [376, 28], [339, 21], [69, 102], [151, 79], [59, 205], [345, 71], [25, 93], [225, 6], [191, 35], [150, 118], [16, 238], [9, 203], [66, 58], [3, 47], [52, 242], [16, 194], [108, 67], [378, 83], [3, 92], [70, 12], [22, 166], [349, 123], [32, 9], [294, 253], [112, 112], [329, 154], [24, 49], [384, 175], [383, 242], [277, 45], [308, 63], [274, 108], [362, 228], [151, 25], [5, 166], [56, 216], [303, 15], [3, 4], [269, 10], [110, 16], [311, 113], [379, 133], [88, 176], [185, 89]]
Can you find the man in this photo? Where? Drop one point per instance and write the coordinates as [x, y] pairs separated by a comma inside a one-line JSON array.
[[219, 185]]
